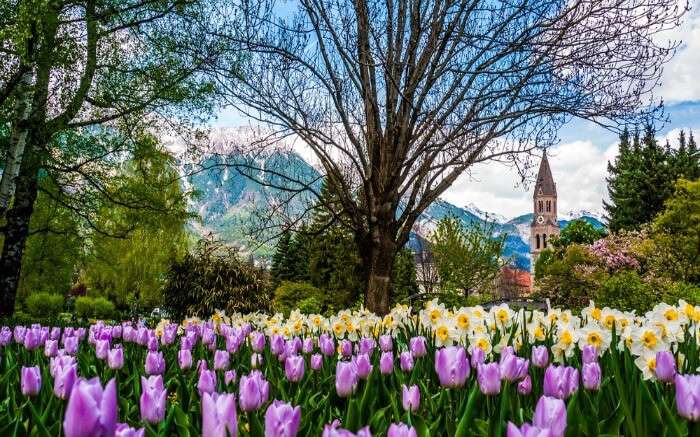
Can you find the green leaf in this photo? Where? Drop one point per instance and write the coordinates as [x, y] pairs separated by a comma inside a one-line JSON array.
[[463, 429]]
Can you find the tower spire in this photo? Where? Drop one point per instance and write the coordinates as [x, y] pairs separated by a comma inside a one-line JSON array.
[[545, 185]]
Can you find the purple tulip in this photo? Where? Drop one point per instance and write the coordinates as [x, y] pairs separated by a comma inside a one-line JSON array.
[[256, 360], [346, 348], [346, 378], [64, 377], [102, 348], [367, 345], [489, 378], [184, 358], [257, 341], [155, 364], [219, 415], [31, 339], [406, 361], [513, 368], [294, 368], [124, 430], [253, 391], [540, 356], [401, 430], [665, 369], [308, 345], [386, 363], [282, 420], [526, 430], [207, 381], [386, 343], [70, 345], [152, 343], [316, 361], [550, 413], [221, 360], [30, 381], [688, 396], [418, 346], [326, 345], [51, 348], [229, 376], [478, 357], [91, 410], [591, 375], [334, 430], [410, 398], [277, 344], [152, 401], [590, 354], [55, 333], [452, 366], [525, 386], [364, 365], [115, 358], [560, 381]]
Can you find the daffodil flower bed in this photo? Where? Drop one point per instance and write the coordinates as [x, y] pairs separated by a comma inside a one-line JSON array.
[[434, 371]]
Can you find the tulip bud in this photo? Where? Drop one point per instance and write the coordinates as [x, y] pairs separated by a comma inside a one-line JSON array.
[[410, 398], [30, 381]]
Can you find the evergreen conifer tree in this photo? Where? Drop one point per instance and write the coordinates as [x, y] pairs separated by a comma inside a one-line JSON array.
[[639, 181], [403, 280], [280, 260]]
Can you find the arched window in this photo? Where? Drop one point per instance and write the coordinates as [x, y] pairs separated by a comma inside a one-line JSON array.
[[537, 237], [544, 240], [540, 205], [549, 206]]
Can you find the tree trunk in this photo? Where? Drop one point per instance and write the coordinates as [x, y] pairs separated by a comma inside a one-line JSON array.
[[378, 256], [17, 141], [17, 230]]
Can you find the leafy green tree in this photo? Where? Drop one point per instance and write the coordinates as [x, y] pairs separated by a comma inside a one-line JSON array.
[[136, 263], [92, 68], [676, 234], [55, 249], [467, 259], [578, 232], [403, 280]]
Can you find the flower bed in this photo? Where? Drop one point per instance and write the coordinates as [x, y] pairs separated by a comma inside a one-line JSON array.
[[466, 371]]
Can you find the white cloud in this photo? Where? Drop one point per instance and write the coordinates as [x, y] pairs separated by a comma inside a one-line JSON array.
[[680, 77], [579, 169]]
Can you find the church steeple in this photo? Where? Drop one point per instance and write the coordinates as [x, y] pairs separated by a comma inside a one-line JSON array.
[[545, 185], [544, 226]]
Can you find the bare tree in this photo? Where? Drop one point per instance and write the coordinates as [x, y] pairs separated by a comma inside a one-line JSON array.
[[398, 98]]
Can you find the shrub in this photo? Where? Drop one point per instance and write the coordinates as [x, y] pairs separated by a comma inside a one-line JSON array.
[[682, 290], [44, 305], [214, 277], [291, 295], [88, 307], [626, 291]]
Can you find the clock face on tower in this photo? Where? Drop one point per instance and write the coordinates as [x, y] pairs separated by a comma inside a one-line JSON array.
[[540, 219]]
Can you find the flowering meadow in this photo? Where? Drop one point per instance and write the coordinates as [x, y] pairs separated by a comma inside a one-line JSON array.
[[435, 371]]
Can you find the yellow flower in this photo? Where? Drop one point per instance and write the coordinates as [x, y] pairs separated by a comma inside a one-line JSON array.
[[596, 313], [463, 321], [594, 339], [442, 333], [566, 337]]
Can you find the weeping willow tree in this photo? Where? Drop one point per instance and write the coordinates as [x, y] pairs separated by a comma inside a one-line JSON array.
[[133, 266]]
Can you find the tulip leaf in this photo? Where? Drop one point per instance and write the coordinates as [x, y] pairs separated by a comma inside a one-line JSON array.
[[352, 417], [256, 429], [378, 419], [465, 421], [181, 422], [40, 427], [420, 426], [611, 425]]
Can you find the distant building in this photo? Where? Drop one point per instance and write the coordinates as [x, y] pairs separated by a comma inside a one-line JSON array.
[[513, 282], [545, 226]]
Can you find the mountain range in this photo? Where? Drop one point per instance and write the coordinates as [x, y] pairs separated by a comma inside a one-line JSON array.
[[236, 204]]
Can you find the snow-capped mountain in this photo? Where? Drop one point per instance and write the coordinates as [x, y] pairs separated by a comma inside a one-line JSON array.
[[233, 205]]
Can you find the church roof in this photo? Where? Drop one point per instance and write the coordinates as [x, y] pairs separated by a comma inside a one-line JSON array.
[[545, 182]]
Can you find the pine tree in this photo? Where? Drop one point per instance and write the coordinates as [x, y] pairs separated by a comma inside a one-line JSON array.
[[280, 260], [298, 256], [639, 181], [685, 161]]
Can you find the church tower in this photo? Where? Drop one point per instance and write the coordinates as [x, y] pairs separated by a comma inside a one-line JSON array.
[[544, 226]]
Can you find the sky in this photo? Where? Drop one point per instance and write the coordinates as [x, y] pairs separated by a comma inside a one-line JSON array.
[[579, 161]]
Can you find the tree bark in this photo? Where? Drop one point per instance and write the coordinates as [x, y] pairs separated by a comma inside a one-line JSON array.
[[17, 230], [17, 141], [378, 256]]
